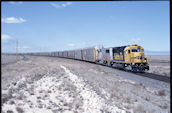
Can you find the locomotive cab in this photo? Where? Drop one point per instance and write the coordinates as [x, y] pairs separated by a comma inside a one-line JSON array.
[[134, 56]]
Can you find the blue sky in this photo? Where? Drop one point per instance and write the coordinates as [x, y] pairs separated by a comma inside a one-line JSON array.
[[54, 26]]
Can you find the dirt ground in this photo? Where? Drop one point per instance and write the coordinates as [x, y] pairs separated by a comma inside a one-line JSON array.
[[55, 85], [159, 64]]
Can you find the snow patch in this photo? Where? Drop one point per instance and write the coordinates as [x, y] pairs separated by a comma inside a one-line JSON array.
[[128, 81]]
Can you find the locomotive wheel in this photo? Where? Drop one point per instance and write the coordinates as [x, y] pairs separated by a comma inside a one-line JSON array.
[[128, 68]]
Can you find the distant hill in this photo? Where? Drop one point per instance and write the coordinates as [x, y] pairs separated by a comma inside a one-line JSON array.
[[157, 52]]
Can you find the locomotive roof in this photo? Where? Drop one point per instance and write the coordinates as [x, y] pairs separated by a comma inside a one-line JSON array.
[[122, 46]]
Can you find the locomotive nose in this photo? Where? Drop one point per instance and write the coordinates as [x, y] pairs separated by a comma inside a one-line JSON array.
[[141, 55]]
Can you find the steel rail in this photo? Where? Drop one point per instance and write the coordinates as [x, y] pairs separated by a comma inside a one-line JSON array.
[[155, 76]]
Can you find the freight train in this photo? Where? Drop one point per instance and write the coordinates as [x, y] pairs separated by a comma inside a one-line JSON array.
[[130, 57]]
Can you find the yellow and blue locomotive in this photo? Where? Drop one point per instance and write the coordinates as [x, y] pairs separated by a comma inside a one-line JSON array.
[[129, 57]]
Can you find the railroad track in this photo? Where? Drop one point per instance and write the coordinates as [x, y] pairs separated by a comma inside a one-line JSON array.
[[146, 74], [155, 76]]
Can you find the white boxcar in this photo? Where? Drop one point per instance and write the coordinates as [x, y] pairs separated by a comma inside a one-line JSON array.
[[89, 54], [65, 54], [78, 54], [71, 54], [60, 54], [55, 54]]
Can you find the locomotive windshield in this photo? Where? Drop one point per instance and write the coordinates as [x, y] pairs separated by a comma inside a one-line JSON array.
[[135, 50]]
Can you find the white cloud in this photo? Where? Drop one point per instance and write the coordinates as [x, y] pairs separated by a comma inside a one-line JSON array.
[[19, 2], [66, 4], [71, 44], [61, 5], [55, 5], [5, 38], [12, 20]]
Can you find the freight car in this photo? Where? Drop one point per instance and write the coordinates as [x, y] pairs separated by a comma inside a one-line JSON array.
[[130, 57]]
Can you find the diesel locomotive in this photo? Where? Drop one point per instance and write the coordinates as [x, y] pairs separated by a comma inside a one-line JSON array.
[[129, 57]]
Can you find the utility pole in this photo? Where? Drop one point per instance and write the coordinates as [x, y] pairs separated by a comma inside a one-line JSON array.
[[16, 50]]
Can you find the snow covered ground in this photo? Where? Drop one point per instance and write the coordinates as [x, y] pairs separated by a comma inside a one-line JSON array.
[[55, 85]]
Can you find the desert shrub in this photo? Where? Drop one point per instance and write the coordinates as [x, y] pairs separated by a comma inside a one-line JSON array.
[[40, 106], [12, 102], [139, 109], [9, 111], [141, 84], [20, 97], [75, 111], [14, 83], [39, 97], [164, 106], [4, 99], [20, 110], [161, 93], [41, 91], [147, 99], [49, 91], [164, 73], [48, 107]]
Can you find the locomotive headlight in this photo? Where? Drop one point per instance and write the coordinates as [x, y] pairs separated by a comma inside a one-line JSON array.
[[139, 55]]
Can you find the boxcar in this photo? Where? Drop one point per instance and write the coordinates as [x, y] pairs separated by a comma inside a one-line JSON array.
[[71, 54], [56, 54], [65, 54], [89, 54], [78, 54], [60, 54]]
